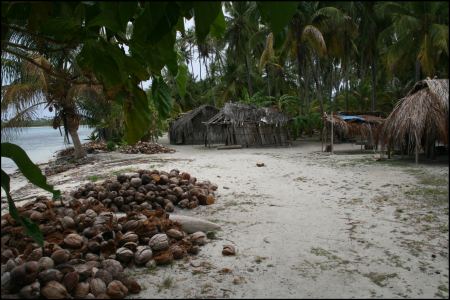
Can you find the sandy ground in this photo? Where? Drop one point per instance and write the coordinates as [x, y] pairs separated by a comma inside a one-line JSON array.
[[306, 225]]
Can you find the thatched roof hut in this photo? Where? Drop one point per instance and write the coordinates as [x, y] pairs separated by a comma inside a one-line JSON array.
[[419, 119], [363, 126], [188, 128], [248, 125]]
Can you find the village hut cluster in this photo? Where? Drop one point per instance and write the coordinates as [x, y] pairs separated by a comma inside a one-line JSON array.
[[235, 124], [419, 122]]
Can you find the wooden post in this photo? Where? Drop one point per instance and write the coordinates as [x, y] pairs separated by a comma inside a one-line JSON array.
[[325, 135], [332, 125], [417, 148], [323, 131], [206, 137]]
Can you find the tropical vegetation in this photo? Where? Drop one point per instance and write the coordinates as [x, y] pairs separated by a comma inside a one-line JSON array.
[[88, 60]]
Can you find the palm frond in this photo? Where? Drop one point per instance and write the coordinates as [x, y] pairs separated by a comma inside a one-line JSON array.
[[406, 23], [314, 37], [328, 18], [424, 56], [268, 52], [19, 96], [387, 9], [12, 127], [439, 37]]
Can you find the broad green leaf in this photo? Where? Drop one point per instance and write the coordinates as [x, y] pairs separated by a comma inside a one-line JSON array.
[[146, 22], [127, 10], [161, 97], [93, 57], [166, 23], [205, 14], [181, 79], [218, 26], [279, 39], [186, 8], [180, 25], [27, 167], [64, 29], [30, 228], [114, 16], [106, 18], [137, 115], [126, 64], [277, 14], [156, 56]]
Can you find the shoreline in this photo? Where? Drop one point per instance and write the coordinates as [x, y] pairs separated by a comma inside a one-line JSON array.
[[306, 225]]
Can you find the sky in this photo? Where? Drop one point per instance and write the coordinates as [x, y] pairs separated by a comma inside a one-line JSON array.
[[44, 113]]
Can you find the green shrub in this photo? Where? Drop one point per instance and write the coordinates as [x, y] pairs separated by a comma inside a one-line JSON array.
[[111, 145]]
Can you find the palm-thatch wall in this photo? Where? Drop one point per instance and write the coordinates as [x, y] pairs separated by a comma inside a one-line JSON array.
[[248, 125], [420, 119], [368, 127], [189, 128]]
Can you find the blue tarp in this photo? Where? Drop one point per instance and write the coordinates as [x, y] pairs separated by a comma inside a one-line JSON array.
[[352, 118]]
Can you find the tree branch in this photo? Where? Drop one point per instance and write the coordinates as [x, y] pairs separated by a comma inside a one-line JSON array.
[[30, 60], [24, 30], [32, 49], [49, 71]]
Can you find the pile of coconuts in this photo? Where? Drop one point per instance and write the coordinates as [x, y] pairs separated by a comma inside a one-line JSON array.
[[145, 148], [87, 245], [150, 189]]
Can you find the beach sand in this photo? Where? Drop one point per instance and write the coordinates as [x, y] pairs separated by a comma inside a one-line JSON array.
[[306, 225]]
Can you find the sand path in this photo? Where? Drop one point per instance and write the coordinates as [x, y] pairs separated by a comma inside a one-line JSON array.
[[306, 225]]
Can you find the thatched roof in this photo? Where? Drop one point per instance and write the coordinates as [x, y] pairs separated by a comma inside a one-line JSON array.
[[367, 126], [239, 113], [184, 121], [423, 112]]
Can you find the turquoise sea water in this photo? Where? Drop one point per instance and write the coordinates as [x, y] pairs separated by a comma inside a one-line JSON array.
[[40, 143]]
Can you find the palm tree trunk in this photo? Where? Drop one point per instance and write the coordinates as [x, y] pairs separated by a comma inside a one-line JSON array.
[[249, 78], [318, 88], [346, 85], [199, 63], [374, 82], [207, 71], [417, 70], [191, 60], [213, 79], [299, 60], [72, 126], [306, 92], [78, 148], [299, 73]]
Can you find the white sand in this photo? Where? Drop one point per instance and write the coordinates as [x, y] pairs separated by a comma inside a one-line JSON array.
[[306, 225]]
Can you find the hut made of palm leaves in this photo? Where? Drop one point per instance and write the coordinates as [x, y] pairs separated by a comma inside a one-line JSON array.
[[248, 125], [363, 126], [189, 128], [420, 118]]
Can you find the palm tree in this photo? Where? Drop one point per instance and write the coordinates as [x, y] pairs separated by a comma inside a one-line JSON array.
[[369, 27], [242, 26], [31, 86], [418, 36], [339, 30], [303, 38]]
